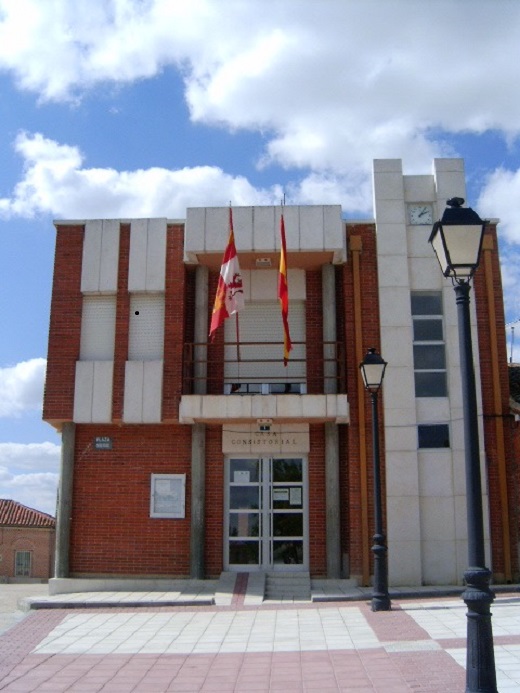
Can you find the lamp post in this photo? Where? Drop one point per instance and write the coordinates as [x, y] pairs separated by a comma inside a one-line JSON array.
[[373, 370], [457, 242]]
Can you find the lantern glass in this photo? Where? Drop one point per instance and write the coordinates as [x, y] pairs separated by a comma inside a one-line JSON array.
[[372, 370], [457, 242]]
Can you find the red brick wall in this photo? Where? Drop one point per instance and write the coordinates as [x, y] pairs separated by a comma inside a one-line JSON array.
[[39, 541], [351, 530], [491, 415], [122, 324], [112, 532], [177, 303], [65, 325], [317, 503], [314, 331]]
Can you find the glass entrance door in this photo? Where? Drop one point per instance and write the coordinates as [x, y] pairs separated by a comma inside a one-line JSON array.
[[266, 519]]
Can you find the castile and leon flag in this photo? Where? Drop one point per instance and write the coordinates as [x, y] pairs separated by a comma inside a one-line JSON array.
[[230, 293]]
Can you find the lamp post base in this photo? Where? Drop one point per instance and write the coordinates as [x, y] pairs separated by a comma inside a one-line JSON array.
[[480, 657], [380, 596]]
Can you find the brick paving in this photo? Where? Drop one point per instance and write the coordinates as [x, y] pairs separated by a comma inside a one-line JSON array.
[[340, 646]]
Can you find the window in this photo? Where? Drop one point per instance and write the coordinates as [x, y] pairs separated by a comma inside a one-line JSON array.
[[146, 331], [98, 325], [22, 564], [168, 495], [429, 353], [433, 436]]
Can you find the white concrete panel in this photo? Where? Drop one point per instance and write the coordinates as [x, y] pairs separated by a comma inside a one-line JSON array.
[[311, 227], [399, 438], [403, 518], [390, 212], [388, 185], [419, 188], [404, 563], [418, 246], [399, 388], [266, 229], [152, 391], [395, 307], [137, 259], [263, 407], [401, 474], [109, 260], [397, 348], [461, 519], [334, 235], [437, 518], [395, 417], [133, 397], [156, 255], [439, 562], [390, 237], [425, 274], [103, 378], [216, 230], [449, 183], [291, 217], [90, 264], [194, 232], [435, 473], [433, 410], [448, 164], [393, 271], [395, 165], [83, 388], [243, 227]]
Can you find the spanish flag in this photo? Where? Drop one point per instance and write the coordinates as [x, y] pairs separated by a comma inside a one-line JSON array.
[[283, 294], [230, 293]]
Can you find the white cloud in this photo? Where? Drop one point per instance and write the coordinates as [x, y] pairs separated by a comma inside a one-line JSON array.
[[501, 191], [29, 474], [21, 387], [55, 182], [331, 85]]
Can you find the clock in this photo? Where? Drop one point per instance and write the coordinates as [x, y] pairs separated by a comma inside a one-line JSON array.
[[420, 213]]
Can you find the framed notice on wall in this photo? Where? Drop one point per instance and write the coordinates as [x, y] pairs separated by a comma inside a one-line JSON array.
[[168, 495]]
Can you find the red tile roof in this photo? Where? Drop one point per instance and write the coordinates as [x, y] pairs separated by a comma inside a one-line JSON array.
[[13, 514]]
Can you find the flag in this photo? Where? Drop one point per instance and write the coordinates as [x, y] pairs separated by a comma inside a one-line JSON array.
[[230, 294], [283, 294]]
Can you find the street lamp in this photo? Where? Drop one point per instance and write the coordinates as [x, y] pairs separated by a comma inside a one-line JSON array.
[[373, 370], [457, 242]]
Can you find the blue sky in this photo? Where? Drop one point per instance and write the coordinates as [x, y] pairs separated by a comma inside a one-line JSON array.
[[121, 108]]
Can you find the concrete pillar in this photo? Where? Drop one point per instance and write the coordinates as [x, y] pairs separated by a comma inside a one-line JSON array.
[[332, 501], [198, 431], [328, 291], [198, 491], [64, 505]]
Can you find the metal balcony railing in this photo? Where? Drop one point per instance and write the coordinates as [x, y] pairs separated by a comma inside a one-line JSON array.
[[258, 368]]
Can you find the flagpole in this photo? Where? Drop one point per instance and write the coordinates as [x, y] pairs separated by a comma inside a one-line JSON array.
[[238, 337]]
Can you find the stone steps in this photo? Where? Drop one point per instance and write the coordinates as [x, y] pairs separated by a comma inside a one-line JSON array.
[[287, 587]]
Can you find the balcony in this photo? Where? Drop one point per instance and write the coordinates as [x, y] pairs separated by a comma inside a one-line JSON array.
[[248, 381]]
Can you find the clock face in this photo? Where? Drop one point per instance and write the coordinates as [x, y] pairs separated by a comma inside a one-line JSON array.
[[420, 214]]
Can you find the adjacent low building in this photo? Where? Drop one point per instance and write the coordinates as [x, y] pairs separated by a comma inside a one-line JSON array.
[[26, 543], [183, 457]]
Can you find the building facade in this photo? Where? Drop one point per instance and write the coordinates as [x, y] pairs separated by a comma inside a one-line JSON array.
[[183, 457], [26, 543]]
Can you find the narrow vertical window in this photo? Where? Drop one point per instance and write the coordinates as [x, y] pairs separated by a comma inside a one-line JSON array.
[[22, 564], [429, 351]]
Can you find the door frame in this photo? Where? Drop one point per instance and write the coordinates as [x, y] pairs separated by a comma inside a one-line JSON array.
[[265, 567]]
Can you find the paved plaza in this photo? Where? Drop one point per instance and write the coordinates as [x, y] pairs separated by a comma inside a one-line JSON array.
[[320, 646]]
